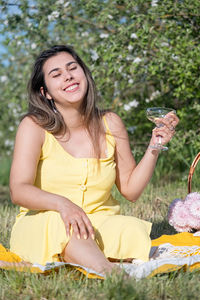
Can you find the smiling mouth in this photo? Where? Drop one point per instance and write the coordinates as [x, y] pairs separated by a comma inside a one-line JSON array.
[[71, 88]]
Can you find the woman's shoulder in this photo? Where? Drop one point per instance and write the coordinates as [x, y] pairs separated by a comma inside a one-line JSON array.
[[114, 122], [29, 128]]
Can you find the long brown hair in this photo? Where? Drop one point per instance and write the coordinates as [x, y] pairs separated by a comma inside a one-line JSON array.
[[44, 112]]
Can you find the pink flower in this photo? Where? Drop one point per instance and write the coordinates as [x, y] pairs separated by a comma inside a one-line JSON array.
[[185, 215], [171, 209], [192, 201], [178, 214], [182, 229]]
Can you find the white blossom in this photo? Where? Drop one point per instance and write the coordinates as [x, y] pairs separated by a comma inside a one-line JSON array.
[[53, 16], [94, 55], [8, 152], [33, 46], [134, 36], [130, 81], [134, 103], [11, 128], [154, 3], [85, 33], [127, 107], [120, 69], [5, 22], [155, 95], [66, 4], [137, 60], [50, 18], [104, 35], [147, 100], [129, 57], [130, 47], [3, 78], [164, 44], [9, 143], [175, 57], [16, 109], [15, 112], [60, 2], [19, 43], [131, 104], [110, 17], [116, 89], [11, 105], [116, 84]]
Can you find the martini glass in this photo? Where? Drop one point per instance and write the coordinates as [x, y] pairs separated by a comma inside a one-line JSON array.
[[155, 114]]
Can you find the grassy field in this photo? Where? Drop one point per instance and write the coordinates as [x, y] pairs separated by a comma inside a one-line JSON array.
[[69, 284]]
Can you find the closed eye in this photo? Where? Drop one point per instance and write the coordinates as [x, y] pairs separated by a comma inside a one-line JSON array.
[[73, 68], [56, 75]]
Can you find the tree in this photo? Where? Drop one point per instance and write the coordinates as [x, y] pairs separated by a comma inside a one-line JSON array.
[[141, 53]]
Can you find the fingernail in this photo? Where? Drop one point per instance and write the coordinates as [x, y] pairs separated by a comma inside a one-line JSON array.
[[78, 237], [93, 236], [85, 237]]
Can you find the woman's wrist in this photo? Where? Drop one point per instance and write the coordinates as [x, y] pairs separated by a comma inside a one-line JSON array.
[[60, 203], [152, 150]]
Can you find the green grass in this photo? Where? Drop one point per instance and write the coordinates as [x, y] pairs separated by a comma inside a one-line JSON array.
[[69, 284]]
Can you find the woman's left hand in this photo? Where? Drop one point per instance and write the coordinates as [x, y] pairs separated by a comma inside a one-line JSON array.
[[165, 130]]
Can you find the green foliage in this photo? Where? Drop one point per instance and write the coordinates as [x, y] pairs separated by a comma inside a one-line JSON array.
[[141, 53], [4, 170]]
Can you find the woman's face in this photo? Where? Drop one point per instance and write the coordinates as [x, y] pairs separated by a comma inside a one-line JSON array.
[[65, 80]]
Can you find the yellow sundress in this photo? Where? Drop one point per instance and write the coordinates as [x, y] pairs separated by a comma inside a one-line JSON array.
[[40, 236]]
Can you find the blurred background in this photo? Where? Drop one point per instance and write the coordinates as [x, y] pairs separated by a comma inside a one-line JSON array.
[[141, 54]]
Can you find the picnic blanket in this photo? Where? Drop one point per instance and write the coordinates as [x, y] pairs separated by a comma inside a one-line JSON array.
[[168, 253]]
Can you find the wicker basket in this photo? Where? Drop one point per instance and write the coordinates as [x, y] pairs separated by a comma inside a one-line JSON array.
[[191, 172]]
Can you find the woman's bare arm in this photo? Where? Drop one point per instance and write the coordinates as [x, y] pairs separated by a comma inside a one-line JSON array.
[[28, 144], [131, 179]]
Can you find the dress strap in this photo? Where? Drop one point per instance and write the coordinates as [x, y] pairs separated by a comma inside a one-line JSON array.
[[106, 125], [109, 138]]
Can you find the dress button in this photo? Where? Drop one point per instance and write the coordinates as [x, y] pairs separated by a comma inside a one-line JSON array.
[[83, 187]]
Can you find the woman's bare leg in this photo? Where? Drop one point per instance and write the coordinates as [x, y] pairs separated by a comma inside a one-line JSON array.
[[86, 253]]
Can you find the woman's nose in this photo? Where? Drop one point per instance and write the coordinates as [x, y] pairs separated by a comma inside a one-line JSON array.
[[67, 75]]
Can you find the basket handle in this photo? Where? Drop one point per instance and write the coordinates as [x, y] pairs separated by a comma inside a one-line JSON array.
[[191, 172]]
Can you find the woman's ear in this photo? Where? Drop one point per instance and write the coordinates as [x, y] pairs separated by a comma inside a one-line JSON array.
[[45, 94]]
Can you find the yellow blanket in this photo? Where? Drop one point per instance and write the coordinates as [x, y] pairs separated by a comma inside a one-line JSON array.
[[171, 252], [179, 239], [11, 261]]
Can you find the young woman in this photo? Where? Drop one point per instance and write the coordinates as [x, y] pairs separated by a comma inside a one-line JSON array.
[[68, 155]]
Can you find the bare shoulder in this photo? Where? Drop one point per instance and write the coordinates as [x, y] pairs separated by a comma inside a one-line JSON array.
[[29, 135], [115, 123], [29, 127], [27, 150], [28, 122]]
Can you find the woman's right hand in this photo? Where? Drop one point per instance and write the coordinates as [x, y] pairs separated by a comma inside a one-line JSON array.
[[74, 217]]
